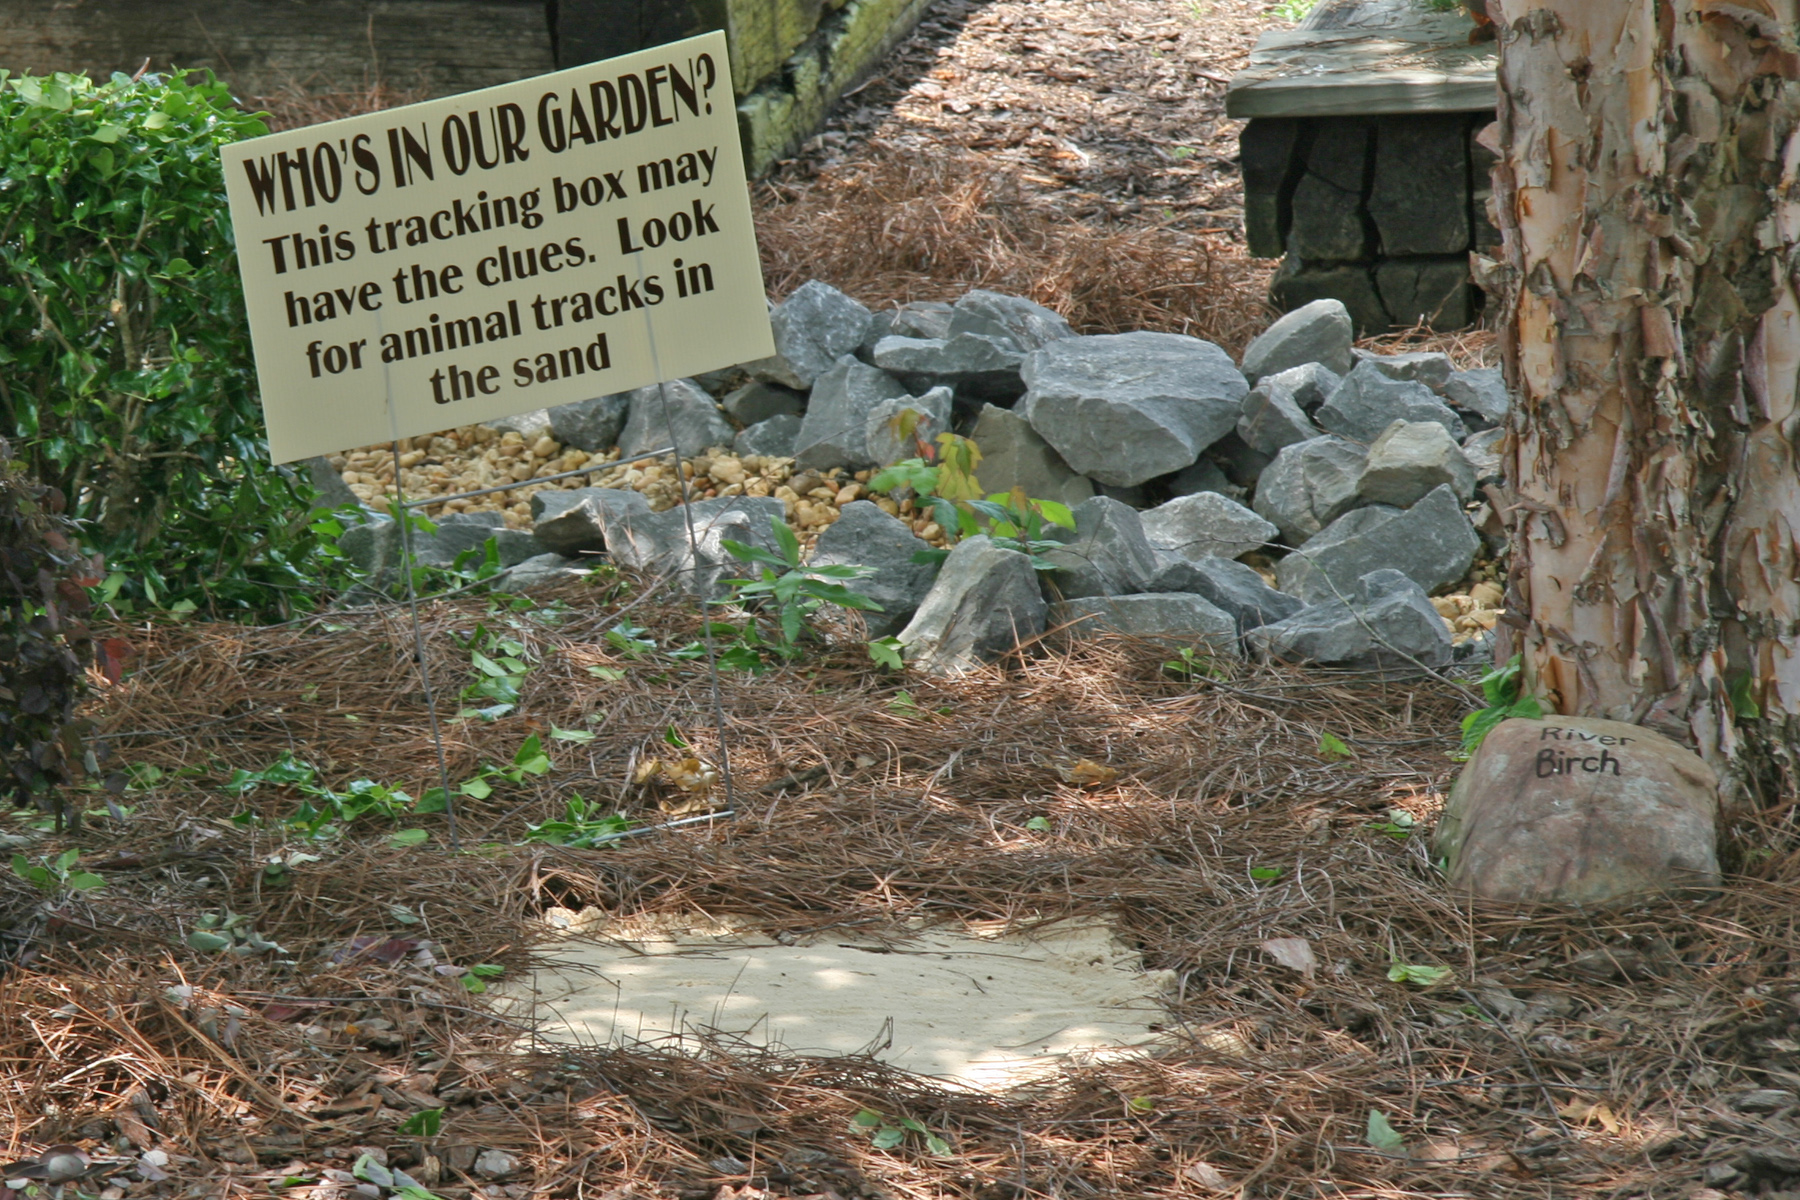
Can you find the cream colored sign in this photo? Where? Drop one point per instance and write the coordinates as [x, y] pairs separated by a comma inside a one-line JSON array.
[[487, 254]]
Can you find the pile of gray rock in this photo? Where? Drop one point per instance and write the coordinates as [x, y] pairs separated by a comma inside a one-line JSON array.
[[1346, 477]]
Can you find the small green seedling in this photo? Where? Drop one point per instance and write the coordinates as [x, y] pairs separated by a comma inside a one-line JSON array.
[[1381, 1135], [1332, 747], [885, 1134], [794, 591], [582, 827], [230, 933], [1500, 688], [1038, 824], [887, 652], [474, 979], [53, 875], [1265, 874], [1398, 825], [1417, 975], [424, 1123]]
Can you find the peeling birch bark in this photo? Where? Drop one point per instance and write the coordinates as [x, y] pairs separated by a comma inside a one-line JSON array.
[[1649, 200]]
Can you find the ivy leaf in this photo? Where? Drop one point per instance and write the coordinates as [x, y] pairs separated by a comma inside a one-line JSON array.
[[1382, 1135]]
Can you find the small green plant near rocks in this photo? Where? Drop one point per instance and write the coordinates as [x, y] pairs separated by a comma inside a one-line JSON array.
[[56, 875], [794, 590], [500, 665], [1500, 688], [583, 827], [949, 486], [887, 1133], [323, 813]]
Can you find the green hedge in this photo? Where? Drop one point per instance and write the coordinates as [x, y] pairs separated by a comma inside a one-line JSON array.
[[126, 377]]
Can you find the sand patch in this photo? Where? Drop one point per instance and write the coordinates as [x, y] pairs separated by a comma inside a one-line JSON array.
[[972, 1006]]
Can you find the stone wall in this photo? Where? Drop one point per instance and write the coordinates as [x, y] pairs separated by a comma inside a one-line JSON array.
[[1380, 212], [791, 59]]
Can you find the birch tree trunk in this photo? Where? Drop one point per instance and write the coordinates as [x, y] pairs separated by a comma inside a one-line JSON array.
[[1649, 196]]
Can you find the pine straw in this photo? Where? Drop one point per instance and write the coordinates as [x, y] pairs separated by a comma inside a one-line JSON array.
[[892, 227], [917, 814]]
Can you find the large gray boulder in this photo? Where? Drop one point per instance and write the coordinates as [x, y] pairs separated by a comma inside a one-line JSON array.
[[576, 522], [1014, 456], [1310, 485], [773, 438], [1273, 413], [835, 430], [678, 410], [813, 329], [1106, 554], [1428, 367], [1432, 543], [1229, 586], [539, 572], [1011, 320], [1367, 402], [659, 543], [865, 536], [930, 417], [1124, 408], [984, 602], [1385, 620], [1408, 460], [591, 425], [1320, 332], [757, 401], [1204, 525], [1162, 616], [984, 368], [1480, 395]]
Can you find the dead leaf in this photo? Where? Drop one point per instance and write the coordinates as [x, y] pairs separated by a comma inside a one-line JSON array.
[[1296, 954], [1088, 773], [1590, 1114], [1207, 1176]]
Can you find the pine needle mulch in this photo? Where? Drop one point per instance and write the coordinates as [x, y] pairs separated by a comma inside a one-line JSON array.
[[1561, 1055]]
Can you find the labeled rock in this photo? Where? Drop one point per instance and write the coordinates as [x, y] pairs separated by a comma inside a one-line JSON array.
[[813, 329], [540, 571], [1164, 616], [1106, 554], [1411, 458], [757, 401], [1229, 586], [1578, 810], [1011, 320], [864, 536], [576, 522], [1310, 485], [893, 435], [1320, 332], [835, 430], [1422, 366], [591, 425], [1014, 456], [676, 413], [773, 438], [985, 601], [1124, 408], [980, 367], [1385, 620], [1205, 524], [1367, 402], [1479, 394], [1432, 543], [1272, 413]]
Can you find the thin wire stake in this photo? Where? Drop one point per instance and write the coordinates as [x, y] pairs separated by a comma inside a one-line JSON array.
[[412, 606]]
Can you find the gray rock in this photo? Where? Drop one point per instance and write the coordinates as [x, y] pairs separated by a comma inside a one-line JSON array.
[[1432, 543], [1272, 415], [332, 491], [678, 409], [1319, 332], [1012, 320], [529, 425], [922, 319], [932, 417], [1480, 394], [1479, 647], [1203, 476], [1408, 460], [461, 532], [542, 571], [982, 367], [1420, 366], [577, 522], [773, 438], [1242, 463], [1205, 525], [591, 425], [1386, 620], [1483, 452], [1310, 485], [757, 401], [1105, 555], [813, 329], [373, 548], [835, 430], [865, 536], [985, 601], [659, 543], [1162, 616], [1124, 408], [1367, 402], [1230, 586], [1014, 456]]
